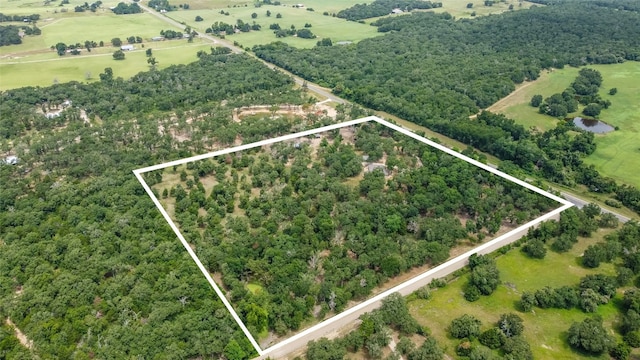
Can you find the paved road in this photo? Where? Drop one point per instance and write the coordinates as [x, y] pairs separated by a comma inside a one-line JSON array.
[[581, 202]]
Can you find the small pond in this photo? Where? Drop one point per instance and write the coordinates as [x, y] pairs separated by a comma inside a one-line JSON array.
[[592, 125]]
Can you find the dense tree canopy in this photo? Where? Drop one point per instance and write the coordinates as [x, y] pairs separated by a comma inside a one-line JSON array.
[[384, 7], [88, 266], [354, 225], [415, 72]]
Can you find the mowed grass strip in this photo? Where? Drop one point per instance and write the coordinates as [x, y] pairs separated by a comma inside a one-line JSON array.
[[618, 152], [322, 26], [88, 67], [545, 329]]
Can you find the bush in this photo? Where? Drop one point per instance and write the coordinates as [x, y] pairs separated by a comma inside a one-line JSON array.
[[590, 336], [464, 348], [118, 55], [633, 338], [471, 293], [536, 100], [535, 248], [511, 325], [517, 348], [465, 326], [621, 351], [492, 338], [592, 109]]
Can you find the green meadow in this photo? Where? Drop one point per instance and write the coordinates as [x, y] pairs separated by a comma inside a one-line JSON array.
[[545, 329], [330, 6], [86, 68], [322, 26], [618, 152], [458, 8], [71, 30]]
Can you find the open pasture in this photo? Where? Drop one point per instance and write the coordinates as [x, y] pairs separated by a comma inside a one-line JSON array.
[[544, 329], [458, 8], [617, 154], [330, 6], [88, 67], [51, 9], [102, 27], [322, 26]]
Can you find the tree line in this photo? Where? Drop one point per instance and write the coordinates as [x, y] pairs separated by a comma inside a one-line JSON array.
[[384, 7], [16, 18], [10, 34]]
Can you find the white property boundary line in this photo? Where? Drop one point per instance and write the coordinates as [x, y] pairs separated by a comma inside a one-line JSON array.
[[458, 261]]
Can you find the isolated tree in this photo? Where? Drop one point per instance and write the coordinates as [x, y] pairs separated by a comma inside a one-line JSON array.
[[278, 16], [107, 75], [536, 100], [590, 336], [466, 326], [149, 52], [486, 278], [152, 62], [118, 55], [324, 42], [469, 5], [199, 18], [613, 91], [61, 48], [268, 13], [527, 301], [254, 15], [117, 42]]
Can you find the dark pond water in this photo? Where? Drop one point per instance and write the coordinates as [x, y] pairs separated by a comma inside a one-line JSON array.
[[594, 126]]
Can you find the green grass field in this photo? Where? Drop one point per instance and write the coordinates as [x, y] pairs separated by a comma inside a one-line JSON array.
[[46, 72], [91, 27], [322, 26], [618, 152], [458, 8], [544, 328]]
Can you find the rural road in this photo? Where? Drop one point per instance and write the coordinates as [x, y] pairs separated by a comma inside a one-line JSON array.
[[333, 325], [580, 203]]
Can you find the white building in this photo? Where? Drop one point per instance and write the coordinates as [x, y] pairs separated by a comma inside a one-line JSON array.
[[11, 160]]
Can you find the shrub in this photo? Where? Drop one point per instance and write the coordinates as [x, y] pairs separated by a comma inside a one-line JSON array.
[[465, 326], [492, 338]]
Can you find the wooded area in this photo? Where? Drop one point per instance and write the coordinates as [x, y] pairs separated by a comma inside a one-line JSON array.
[[384, 7], [88, 267], [315, 223], [415, 72]]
